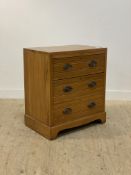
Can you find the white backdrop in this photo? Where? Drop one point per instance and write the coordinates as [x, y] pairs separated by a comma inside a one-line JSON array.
[[26, 23]]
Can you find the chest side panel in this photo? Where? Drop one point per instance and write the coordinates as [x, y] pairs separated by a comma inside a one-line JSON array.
[[37, 85]]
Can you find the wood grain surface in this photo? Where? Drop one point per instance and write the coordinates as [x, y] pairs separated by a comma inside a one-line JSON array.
[[64, 48], [79, 87], [79, 108], [79, 66], [89, 150], [45, 75], [37, 85]]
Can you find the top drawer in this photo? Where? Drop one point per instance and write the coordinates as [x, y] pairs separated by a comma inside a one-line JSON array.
[[77, 66]]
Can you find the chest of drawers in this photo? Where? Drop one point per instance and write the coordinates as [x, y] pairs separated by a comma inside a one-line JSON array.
[[64, 87]]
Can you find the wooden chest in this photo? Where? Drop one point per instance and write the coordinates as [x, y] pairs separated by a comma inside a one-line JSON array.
[[64, 87]]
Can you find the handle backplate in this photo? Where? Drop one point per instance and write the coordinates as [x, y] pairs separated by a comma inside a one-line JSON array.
[[67, 89], [92, 84], [67, 111], [67, 66], [92, 64], [91, 105]]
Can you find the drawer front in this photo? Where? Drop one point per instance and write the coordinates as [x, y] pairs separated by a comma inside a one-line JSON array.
[[68, 89], [78, 66], [68, 111]]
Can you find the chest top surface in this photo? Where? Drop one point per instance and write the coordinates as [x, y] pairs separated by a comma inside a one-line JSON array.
[[64, 48]]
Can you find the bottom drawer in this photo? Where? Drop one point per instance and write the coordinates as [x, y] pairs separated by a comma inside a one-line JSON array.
[[78, 108]]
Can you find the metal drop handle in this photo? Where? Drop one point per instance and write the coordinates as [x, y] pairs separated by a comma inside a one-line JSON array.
[[67, 66], [92, 84], [91, 105], [67, 89], [92, 64], [67, 111]]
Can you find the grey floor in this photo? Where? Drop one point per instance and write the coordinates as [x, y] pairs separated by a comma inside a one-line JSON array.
[[95, 149]]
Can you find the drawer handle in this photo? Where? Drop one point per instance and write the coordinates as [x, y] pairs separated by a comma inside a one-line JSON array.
[[67, 111], [92, 64], [67, 89], [92, 84], [91, 105], [67, 66]]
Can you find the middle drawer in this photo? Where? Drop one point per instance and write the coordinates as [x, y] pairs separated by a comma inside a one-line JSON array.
[[68, 89]]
